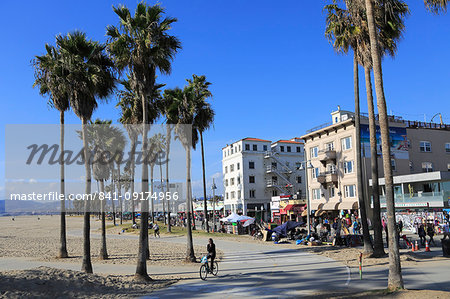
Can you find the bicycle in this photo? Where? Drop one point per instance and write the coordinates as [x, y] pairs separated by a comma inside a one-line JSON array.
[[204, 269]]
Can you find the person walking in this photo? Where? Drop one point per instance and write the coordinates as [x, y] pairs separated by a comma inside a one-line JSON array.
[[422, 234], [430, 233], [156, 230]]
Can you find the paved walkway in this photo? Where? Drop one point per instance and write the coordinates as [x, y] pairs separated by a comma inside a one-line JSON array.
[[264, 270]]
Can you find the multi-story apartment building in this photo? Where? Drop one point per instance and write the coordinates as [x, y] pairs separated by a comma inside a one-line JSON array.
[[254, 170], [415, 148]]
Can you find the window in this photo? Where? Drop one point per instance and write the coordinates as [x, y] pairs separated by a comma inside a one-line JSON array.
[[224, 153], [331, 168], [239, 147], [226, 195], [316, 193], [274, 193], [264, 147], [274, 180], [232, 181], [274, 165], [448, 166], [226, 169], [427, 167], [238, 179], [231, 167], [329, 146], [233, 194], [281, 148], [231, 150], [299, 150], [252, 193], [247, 147], [315, 172], [255, 147], [239, 194], [425, 146], [348, 166], [298, 165], [393, 165], [226, 182], [299, 180], [288, 148], [350, 191], [447, 148], [314, 152], [330, 192], [251, 165], [251, 179], [238, 166], [346, 143]]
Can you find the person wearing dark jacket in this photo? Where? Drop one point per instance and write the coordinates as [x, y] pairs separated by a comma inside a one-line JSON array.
[[422, 234], [211, 248], [430, 233]]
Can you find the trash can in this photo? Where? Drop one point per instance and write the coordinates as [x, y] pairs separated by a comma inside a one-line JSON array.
[[446, 247]]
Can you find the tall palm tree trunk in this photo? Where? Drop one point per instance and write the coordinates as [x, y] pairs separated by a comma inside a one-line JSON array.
[[86, 264], [141, 268], [395, 280], [119, 192], [168, 136], [162, 190], [190, 256], [63, 249], [368, 249], [205, 207], [378, 248], [103, 251], [151, 192], [133, 207], [113, 185]]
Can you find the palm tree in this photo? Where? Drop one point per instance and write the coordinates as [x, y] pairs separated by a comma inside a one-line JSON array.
[[436, 6], [204, 119], [49, 77], [183, 107], [142, 45], [341, 29], [390, 26], [90, 73], [171, 119], [395, 280], [100, 137]]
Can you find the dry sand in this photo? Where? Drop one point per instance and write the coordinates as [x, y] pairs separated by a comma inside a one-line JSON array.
[[44, 282], [39, 239]]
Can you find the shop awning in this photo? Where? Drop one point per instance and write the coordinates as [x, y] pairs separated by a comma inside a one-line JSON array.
[[295, 208], [348, 205], [330, 205], [316, 205]]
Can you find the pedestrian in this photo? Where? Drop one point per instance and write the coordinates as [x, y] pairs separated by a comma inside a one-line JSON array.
[[422, 234], [400, 226], [156, 230], [430, 233], [355, 227], [337, 232]]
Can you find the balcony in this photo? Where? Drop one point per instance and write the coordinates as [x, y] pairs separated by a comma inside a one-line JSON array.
[[328, 177], [327, 155]]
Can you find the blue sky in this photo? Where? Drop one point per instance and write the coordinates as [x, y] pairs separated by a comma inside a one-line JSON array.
[[274, 74]]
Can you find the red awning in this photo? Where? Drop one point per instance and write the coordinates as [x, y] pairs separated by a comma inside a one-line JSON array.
[[296, 208]]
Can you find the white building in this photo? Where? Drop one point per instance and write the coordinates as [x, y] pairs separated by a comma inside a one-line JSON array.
[[254, 170]]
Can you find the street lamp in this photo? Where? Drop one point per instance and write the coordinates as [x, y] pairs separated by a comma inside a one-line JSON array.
[[214, 187], [308, 201]]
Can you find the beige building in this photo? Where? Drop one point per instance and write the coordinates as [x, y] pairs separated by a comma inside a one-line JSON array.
[[331, 149]]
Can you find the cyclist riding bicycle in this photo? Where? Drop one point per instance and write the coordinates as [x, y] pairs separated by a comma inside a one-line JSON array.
[[211, 248]]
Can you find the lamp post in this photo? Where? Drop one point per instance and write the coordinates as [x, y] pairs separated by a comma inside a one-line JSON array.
[[214, 187], [308, 201]]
